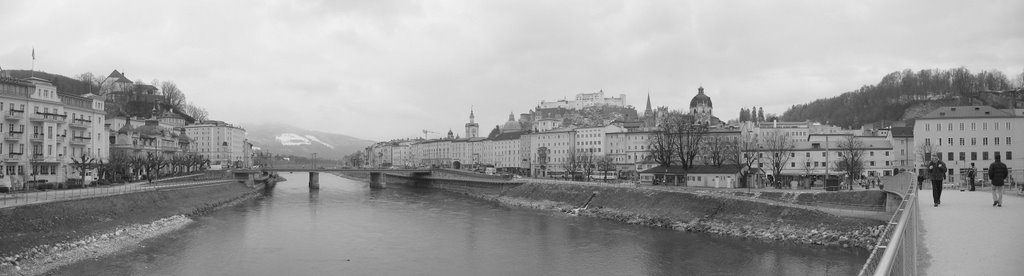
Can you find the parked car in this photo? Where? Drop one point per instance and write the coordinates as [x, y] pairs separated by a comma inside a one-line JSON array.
[[5, 184]]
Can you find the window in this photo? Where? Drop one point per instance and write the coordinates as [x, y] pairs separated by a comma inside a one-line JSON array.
[[927, 141], [949, 141], [871, 153], [984, 141], [872, 163], [949, 156], [963, 155], [938, 127], [792, 164], [974, 141], [961, 141], [974, 126], [984, 155], [996, 154], [996, 140], [1007, 140], [984, 126], [974, 156], [1009, 155]]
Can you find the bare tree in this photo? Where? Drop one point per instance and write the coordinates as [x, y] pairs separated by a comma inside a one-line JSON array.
[[777, 147], [746, 148], [604, 164], [587, 163], [83, 163], [851, 159], [661, 147], [572, 163], [196, 112], [172, 95], [687, 135], [716, 150]]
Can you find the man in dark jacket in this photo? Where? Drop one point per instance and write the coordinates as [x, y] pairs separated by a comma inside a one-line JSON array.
[[970, 175], [997, 173], [937, 172]]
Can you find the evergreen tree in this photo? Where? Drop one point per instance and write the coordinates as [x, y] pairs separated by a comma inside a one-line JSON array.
[[760, 114]]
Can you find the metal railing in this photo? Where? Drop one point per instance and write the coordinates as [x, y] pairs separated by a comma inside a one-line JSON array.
[[896, 251], [34, 193]]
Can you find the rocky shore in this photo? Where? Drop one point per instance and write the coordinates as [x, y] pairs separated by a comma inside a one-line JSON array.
[[101, 226], [758, 225], [43, 258]]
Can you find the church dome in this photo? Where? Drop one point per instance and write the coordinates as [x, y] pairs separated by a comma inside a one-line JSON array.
[[700, 99], [511, 125]]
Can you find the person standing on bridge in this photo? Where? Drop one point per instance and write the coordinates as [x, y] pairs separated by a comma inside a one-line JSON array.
[[937, 172], [997, 172]]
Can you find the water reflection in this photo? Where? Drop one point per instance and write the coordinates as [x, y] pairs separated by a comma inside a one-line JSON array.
[[347, 229]]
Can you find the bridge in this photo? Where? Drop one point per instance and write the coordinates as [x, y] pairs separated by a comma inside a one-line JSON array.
[[378, 177]]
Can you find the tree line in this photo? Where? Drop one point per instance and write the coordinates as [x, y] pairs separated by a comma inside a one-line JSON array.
[[887, 100]]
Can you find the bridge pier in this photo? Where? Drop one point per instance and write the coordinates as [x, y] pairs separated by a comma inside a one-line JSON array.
[[377, 180], [314, 180]]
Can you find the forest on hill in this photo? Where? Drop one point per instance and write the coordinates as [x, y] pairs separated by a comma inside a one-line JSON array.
[[888, 100]]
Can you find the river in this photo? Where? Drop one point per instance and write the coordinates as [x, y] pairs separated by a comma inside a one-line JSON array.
[[347, 229]]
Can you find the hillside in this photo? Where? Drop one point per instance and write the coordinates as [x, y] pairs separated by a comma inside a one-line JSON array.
[[906, 95], [288, 140]]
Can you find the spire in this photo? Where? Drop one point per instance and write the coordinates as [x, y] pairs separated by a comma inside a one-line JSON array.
[[700, 90], [471, 117], [511, 117], [648, 110]]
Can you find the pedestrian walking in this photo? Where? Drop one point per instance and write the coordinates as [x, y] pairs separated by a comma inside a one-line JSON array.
[[970, 175], [937, 172], [997, 173]]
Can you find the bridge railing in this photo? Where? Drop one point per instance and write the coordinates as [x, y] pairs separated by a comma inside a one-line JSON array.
[[897, 248]]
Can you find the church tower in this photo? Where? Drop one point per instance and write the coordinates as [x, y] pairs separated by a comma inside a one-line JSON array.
[[472, 128], [700, 107]]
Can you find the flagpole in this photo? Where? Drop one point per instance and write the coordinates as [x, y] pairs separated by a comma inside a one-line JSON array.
[[33, 74]]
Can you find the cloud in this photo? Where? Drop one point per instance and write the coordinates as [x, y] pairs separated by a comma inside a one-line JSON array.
[[388, 69]]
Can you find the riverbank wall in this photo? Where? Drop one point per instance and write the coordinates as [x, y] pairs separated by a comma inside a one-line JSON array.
[[36, 232]]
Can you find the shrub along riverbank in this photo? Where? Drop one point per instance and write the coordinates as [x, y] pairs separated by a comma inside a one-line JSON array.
[[73, 230]]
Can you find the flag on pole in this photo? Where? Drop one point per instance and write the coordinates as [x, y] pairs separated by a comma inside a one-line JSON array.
[[33, 53]]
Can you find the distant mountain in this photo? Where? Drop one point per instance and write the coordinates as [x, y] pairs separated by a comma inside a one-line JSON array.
[[289, 140], [906, 95]]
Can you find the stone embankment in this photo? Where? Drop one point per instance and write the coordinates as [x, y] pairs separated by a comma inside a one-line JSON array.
[[38, 238], [692, 212]]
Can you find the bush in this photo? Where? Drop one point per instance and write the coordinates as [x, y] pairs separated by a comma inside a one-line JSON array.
[[42, 186], [102, 182]]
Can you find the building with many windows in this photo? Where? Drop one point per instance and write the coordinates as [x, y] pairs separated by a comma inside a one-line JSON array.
[[44, 129], [222, 143], [586, 99], [963, 135]]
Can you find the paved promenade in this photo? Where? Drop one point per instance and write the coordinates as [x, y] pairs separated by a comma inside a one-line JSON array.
[[966, 235], [26, 198]]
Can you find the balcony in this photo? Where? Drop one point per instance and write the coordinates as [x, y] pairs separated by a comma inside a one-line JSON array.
[[59, 138], [13, 136], [37, 137], [14, 114], [47, 117], [79, 123], [81, 141], [12, 157]]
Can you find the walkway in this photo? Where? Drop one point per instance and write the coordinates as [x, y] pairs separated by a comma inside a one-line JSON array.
[[966, 235], [26, 198]]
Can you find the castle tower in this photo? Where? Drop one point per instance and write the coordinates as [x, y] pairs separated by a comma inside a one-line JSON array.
[[472, 128]]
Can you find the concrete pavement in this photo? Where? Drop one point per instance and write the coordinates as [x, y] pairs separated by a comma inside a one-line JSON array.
[[36, 197], [966, 235]]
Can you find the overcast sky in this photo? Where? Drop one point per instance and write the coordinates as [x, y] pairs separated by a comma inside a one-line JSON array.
[[388, 69]]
